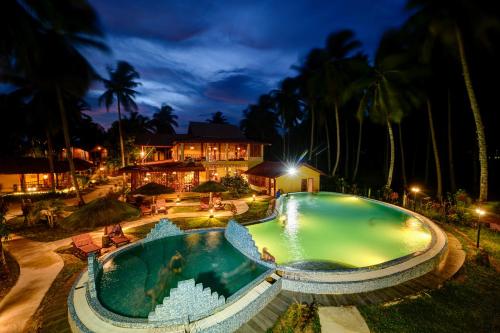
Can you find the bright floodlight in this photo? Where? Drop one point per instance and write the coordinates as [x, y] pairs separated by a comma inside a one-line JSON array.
[[480, 212], [415, 189], [292, 171]]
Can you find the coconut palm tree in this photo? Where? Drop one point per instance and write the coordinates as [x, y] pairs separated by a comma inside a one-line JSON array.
[[339, 46], [164, 120], [391, 94], [217, 118], [451, 21], [288, 108], [120, 88]]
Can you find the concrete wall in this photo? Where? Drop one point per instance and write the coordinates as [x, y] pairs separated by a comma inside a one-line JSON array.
[[292, 183]]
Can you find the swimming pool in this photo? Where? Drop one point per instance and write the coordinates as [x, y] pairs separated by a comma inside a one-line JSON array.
[[330, 231], [134, 282]]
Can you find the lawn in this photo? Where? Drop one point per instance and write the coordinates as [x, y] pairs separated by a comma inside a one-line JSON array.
[[467, 303], [298, 318], [39, 232], [184, 209]]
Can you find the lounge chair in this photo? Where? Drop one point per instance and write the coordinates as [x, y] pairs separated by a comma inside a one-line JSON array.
[[83, 245], [116, 236], [204, 203], [161, 206], [146, 210], [218, 205]]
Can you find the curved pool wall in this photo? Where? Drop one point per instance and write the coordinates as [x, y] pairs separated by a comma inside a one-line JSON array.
[[355, 280], [189, 305]]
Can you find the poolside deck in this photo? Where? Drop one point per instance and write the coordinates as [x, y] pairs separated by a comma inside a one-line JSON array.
[[266, 318]]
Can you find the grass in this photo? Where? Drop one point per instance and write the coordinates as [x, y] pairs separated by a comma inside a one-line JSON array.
[[52, 314], [98, 213], [183, 209], [256, 210], [467, 303], [298, 318], [489, 240], [7, 281], [40, 231]]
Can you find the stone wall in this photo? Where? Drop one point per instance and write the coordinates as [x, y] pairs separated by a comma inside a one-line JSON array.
[[187, 302], [240, 238]]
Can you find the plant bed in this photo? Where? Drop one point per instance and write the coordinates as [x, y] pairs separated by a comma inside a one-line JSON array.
[[7, 281], [298, 317]]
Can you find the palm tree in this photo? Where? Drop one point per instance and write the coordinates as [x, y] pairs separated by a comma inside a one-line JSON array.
[[120, 87], [43, 47], [391, 94], [260, 121], [217, 118], [448, 20], [439, 192], [164, 120], [288, 108], [338, 46]]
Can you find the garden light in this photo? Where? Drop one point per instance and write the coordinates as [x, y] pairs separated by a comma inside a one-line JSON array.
[[480, 212]]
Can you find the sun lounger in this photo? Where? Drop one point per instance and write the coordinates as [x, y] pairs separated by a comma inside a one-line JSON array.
[[161, 206], [83, 245], [117, 237], [146, 210], [204, 203]]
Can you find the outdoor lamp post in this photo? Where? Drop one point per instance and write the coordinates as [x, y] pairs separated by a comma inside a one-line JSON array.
[[480, 213], [415, 190]]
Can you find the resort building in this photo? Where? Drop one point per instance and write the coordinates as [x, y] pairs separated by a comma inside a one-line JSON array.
[[269, 177], [206, 152], [30, 174]]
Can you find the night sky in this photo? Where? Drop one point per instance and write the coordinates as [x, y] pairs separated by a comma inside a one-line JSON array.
[[204, 56]]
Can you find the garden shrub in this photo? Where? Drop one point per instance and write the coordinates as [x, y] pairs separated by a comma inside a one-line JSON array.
[[236, 185]]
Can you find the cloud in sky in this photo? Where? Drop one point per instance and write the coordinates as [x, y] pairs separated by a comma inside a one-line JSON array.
[[203, 56]]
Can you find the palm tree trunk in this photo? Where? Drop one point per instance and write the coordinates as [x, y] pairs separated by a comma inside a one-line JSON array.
[[481, 140], [50, 157], [358, 151], [67, 142], [328, 148], [403, 164], [453, 185], [120, 133], [391, 160], [284, 145], [337, 125], [439, 192], [4, 269], [311, 142], [346, 151]]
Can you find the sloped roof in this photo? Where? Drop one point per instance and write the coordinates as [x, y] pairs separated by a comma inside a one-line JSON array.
[[24, 165], [271, 169], [150, 139], [209, 130], [165, 166]]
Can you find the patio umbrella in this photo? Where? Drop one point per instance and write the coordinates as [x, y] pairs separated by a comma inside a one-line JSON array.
[[209, 187], [153, 189]]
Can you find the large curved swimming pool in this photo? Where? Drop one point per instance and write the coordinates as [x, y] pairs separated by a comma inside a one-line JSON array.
[[323, 231]]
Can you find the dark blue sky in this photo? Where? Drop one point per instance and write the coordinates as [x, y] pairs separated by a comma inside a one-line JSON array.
[[208, 55]]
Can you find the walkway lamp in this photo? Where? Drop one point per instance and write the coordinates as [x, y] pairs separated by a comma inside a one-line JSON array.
[[415, 190], [480, 212]]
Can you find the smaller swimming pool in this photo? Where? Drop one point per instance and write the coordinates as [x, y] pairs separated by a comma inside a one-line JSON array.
[[135, 281]]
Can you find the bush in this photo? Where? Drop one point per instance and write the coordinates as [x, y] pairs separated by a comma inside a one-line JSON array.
[[236, 185], [100, 212], [52, 210], [298, 318]]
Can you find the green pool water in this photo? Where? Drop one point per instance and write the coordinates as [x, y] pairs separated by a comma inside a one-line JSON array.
[[333, 231], [135, 281]]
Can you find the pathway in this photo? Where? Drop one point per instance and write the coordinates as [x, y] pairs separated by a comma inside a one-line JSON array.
[[432, 280]]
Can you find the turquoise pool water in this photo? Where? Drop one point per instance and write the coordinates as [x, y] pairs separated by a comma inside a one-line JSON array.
[[333, 231], [135, 281]]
